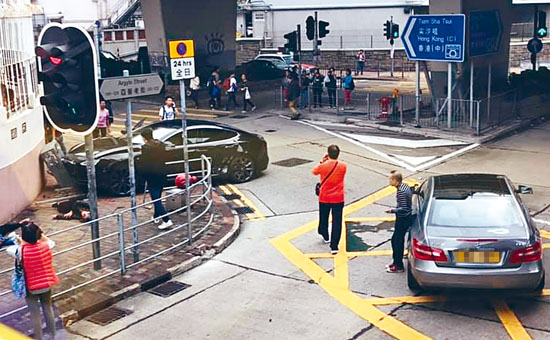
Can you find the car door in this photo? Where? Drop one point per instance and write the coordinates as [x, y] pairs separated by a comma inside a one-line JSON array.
[[219, 144], [175, 151]]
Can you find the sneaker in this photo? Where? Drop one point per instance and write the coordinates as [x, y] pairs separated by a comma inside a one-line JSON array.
[[156, 220], [166, 225], [243, 111], [253, 108], [326, 240], [334, 252], [394, 269]]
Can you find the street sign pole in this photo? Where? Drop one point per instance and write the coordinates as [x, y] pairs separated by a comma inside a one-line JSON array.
[[92, 198], [131, 172], [299, 49], [471, 92], [417, 92], [449, 94], [316, 39], [392, 46], [489, 90], [535, 20], [186, 159]]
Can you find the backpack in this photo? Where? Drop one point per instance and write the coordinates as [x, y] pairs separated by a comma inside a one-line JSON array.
[[351, 85], [227, 83]]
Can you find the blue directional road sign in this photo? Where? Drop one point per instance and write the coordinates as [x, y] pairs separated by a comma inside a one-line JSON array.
[[435, 37], [485, 31]]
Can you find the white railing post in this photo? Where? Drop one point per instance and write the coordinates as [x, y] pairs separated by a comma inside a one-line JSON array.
[[120, 220]]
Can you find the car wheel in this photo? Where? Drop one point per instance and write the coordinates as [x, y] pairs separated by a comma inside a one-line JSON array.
[[242, 168], [119, 182], [541, 283], [411, 281]]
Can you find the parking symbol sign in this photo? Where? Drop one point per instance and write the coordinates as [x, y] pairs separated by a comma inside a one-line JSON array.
[[453, 51]]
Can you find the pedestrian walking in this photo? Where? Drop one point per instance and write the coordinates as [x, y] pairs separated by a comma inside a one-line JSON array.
[[247, 98], [349, 86], [285, 87], [34, 253], [331, 196], [330, 84], [231, 87], [214, 90], [168, 110], [103, 123], [153, 156], [360, 59], [304, 94], [195, 86], [403, 220], [293, 96], [318, 81]]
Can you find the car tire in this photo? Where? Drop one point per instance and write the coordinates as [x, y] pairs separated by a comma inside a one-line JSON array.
[[118, 182], [242, 168], [541, 283], [411, 281]]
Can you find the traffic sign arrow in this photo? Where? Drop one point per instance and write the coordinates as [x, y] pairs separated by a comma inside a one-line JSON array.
[[435, 37], [132, 86]]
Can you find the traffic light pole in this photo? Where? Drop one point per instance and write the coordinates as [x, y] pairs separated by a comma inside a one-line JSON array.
[[92, 198], [186, 159], [316, 39], [535, 24], [392, 47], [299, 49]]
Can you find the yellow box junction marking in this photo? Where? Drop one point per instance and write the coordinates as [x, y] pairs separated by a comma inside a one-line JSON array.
[[337, 286], [243, 201], [7, 333]]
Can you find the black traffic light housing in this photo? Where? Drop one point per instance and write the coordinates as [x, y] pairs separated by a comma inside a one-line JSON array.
[[541, 29], [395, 31], [68, 72], [387, 30], [323, 29], [292, 44], [310, 28]]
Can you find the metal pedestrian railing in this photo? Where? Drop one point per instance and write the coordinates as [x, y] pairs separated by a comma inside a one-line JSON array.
[[123, 245]]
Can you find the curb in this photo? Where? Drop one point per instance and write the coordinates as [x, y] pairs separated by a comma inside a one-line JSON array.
[[72, 316]]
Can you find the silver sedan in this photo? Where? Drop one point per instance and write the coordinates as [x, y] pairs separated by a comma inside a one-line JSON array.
[[473, 231]]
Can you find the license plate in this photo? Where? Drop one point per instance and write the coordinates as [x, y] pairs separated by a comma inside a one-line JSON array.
[[476, 256]]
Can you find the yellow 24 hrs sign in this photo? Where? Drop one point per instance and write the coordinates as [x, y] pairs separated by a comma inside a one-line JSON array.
[[181, 49]]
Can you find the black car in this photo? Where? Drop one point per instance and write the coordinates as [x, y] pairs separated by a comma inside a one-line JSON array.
[[262, 69], [235, 154]]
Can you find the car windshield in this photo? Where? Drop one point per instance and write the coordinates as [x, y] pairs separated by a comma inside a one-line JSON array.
[[485, 211]]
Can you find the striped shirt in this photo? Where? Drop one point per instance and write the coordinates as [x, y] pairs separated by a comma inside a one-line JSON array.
[[404, 201]]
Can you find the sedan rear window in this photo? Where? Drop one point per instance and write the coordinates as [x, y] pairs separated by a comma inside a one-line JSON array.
[[476, 212]]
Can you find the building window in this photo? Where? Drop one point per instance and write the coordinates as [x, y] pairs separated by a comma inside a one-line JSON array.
[[119, 35], [107, 36], [141, 34], [129, 35]]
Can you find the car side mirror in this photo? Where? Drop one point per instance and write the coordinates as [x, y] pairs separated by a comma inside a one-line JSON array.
[[524, 189]]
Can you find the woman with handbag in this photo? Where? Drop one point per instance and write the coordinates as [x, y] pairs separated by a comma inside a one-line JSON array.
[[331, 195], [34, 256], [246, 94]]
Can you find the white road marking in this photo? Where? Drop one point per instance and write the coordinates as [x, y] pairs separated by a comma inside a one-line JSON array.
[[541, 221], [415, 160], [447, 156], [401, 142], [352, 141]]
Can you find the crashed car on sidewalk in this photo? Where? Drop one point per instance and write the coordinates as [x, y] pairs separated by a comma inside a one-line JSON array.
[[236, 154]]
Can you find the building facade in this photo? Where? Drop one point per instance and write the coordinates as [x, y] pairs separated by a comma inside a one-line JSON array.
[[21, 117]]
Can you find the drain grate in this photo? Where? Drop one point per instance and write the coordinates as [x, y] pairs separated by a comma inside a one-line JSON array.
[[244, 210], [239, 116], [108, 315], [231, 197], [292, 162], [169, 288]]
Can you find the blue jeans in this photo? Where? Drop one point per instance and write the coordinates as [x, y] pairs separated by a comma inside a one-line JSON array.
[[360, 67], [156, 193], [304, 99]]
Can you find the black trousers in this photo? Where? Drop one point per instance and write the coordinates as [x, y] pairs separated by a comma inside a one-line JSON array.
[[317, 98], [324, 212], [195, 97], [231, 99], [332, 97], [402, 225]]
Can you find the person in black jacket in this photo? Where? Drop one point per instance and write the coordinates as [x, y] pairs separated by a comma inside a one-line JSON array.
[[153, 157], [330, 84], [293, 96], [318, 80]]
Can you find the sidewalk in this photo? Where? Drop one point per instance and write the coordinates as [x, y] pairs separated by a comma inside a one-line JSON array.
[[110, 289]]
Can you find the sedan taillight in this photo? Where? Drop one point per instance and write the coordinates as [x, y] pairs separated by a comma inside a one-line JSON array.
[[533, 253], [425, 253]]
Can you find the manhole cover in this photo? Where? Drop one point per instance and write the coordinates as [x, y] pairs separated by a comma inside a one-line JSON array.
[[232, 197], [244, 210], [169, 288], [291, 162], [238, 116], [108, 315]]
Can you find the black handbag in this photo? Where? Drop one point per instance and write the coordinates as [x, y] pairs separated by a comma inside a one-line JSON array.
[[319, 185]]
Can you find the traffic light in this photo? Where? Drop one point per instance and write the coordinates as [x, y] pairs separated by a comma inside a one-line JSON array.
[[541, 28], [68, 72], [395, 31], [387, 30], [310, 28], [292, 44], [323, 29]]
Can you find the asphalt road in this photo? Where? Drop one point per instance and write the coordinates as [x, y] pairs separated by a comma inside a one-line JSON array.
[[277, 280]]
